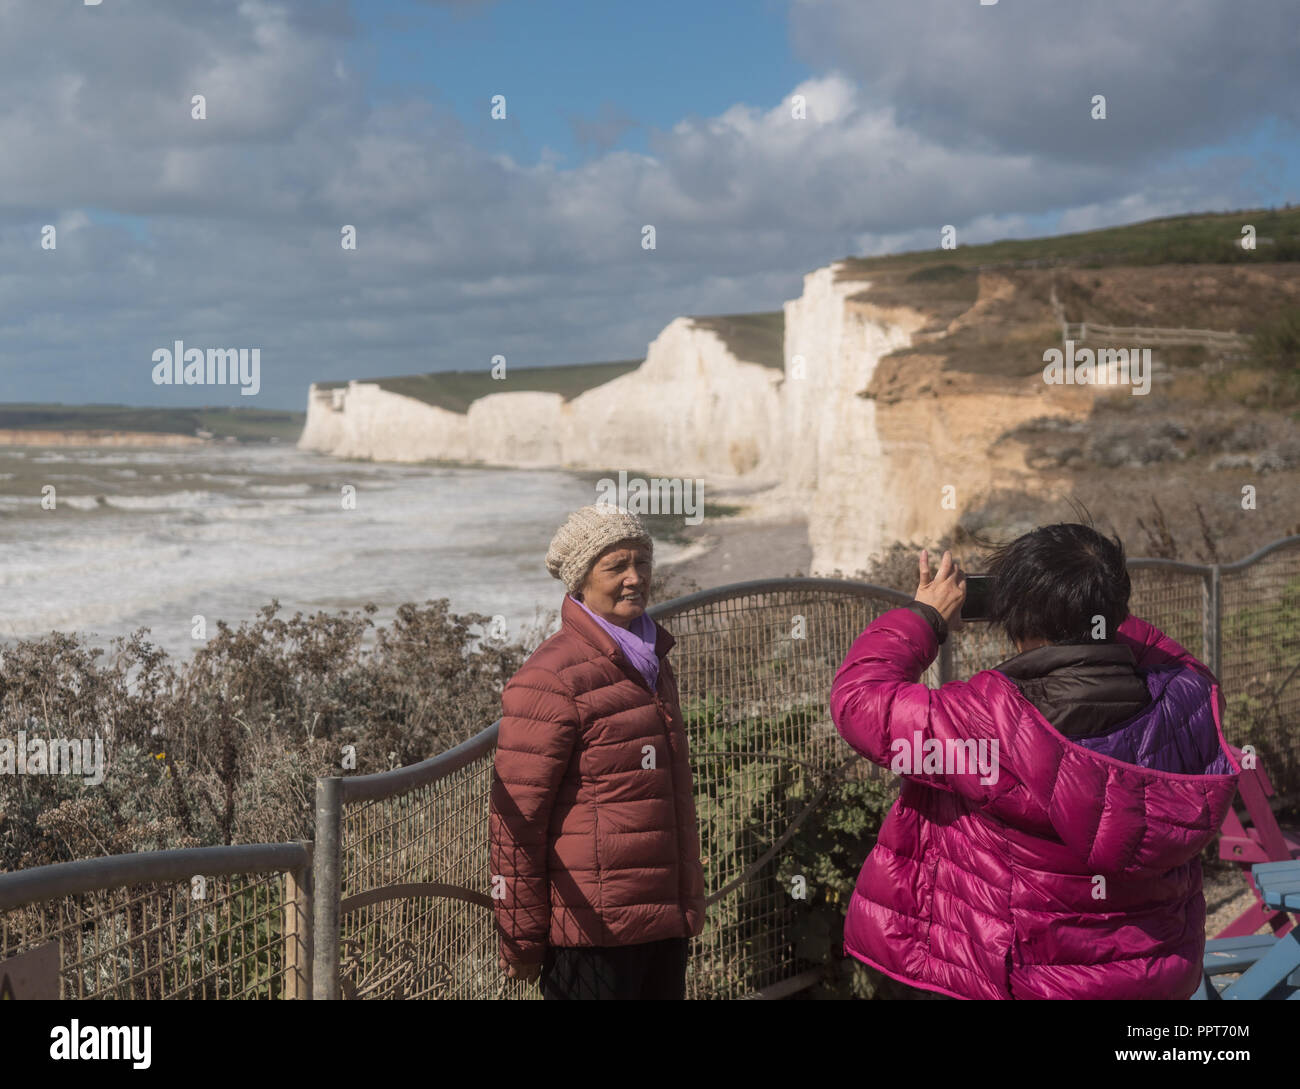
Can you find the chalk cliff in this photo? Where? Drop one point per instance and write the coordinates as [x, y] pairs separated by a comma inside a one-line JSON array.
[[863, 470], [691, 409]]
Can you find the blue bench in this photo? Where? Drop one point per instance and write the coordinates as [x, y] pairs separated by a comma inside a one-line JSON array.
[[1269, 965]]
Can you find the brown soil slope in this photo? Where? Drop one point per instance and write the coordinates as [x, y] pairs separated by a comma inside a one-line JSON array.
[[1215, 425]]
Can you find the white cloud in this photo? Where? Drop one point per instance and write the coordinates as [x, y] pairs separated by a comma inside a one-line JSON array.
[[464, 252], [1020, 76]]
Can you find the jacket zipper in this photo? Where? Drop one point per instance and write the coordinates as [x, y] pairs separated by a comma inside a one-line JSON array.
[[618, 659]]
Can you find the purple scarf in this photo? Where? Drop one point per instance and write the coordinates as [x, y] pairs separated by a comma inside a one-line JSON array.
[[637, 643]]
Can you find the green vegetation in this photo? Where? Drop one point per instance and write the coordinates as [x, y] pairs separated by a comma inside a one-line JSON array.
[[244, 424], [1187, 239], [1277, 344], [1276, 348], [742, 805], [1261, 645], [938, 274], [455, 391], [225, 748], [942, 291], [828, 850], [751, 338]]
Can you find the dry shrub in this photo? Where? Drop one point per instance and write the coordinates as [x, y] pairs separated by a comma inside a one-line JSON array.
[[225, 748]]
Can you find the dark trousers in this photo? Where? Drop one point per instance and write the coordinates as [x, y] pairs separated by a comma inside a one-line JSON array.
[[651, 970]]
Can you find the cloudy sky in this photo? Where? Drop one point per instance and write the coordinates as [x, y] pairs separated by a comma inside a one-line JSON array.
[[522, 236]]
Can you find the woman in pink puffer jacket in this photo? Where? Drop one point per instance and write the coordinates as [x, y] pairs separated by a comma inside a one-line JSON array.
[[1046, 840]]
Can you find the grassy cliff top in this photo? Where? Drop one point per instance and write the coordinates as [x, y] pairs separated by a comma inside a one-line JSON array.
[[751, 338], [245, 424], [1201, 238], [455, 391], [1185, 271]]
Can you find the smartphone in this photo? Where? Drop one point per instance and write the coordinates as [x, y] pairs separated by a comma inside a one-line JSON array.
[[979, 591]]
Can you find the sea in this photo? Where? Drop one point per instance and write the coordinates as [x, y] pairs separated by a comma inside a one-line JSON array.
[[104, 541]]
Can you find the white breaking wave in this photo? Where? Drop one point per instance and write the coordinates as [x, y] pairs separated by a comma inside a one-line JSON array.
[[223, 478], [270, 523], [280, 489], [166, 501]]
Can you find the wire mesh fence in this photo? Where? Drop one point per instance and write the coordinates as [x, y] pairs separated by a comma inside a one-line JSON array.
[[180, 931], [1243, 620], [1259, 625], [415, 917], [974, 647], [754, 666], [1175, 598]]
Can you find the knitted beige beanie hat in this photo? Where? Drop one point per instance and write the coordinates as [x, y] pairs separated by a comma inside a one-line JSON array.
[[586, 534]]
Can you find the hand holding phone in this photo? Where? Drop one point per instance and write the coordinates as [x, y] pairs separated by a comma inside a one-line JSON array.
[[943, 589]]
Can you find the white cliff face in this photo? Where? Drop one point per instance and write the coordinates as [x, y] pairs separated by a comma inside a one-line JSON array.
[[836, 465], [817, 357], [364, 421], [690, 409], [864, 474]]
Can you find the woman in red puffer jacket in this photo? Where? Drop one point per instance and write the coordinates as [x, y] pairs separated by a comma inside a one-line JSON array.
[[594, 848]]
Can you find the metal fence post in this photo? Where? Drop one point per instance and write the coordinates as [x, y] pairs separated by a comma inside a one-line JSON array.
[[326, 890], [945, 661], [1214, 621], [298, 929]]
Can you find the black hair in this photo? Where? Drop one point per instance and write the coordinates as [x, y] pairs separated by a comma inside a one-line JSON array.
[[1053, 582]]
